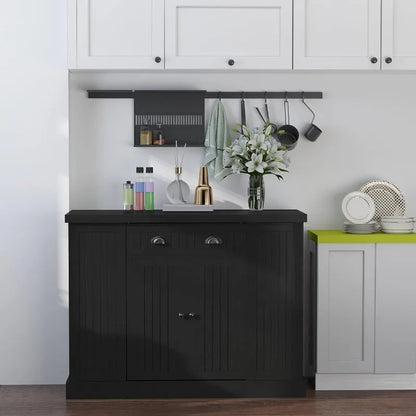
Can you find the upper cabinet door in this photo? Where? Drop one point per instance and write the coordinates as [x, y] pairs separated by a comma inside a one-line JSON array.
[[399, 34], [228, 34], [337, 34], [119, 34]]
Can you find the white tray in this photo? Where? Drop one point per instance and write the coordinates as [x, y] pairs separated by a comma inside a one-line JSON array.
[[187, 207]]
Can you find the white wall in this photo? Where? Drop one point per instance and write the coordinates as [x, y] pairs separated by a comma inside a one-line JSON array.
[[33, 189], [367, 118]]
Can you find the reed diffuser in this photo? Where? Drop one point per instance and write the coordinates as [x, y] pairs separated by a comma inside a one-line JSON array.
[[178, 190]]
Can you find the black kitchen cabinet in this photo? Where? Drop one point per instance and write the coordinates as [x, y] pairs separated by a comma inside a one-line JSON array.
[[185, 304]]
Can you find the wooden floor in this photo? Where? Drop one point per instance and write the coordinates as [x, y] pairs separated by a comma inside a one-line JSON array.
[[50, 401]]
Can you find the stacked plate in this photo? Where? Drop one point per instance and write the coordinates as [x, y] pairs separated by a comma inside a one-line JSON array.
[[397, 225], [368, 228]]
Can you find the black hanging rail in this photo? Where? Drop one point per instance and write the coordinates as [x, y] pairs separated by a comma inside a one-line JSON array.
[[219, 94]]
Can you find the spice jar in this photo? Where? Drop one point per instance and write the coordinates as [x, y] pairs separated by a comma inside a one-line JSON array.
[[145, 136], [158, 136]]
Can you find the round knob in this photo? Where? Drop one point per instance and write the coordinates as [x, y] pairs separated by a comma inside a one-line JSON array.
[[158, 59], [212, 240], [388, 60], [158, 241], [181, 315], [231, 62], [374, 60]]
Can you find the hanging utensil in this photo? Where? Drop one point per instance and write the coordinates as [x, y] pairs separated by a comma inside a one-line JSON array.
[[287, 134], [243, 112], [261, 115], [313, 131], [273, 125]]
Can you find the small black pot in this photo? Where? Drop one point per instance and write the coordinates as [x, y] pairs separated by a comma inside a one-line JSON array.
[[287, 134]]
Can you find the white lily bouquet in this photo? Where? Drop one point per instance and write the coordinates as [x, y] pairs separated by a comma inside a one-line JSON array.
[[256, 153]]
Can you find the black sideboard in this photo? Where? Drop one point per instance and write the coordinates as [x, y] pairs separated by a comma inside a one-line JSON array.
[[185, 304]]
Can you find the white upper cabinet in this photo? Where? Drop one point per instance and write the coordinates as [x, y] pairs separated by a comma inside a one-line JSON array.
[[399, 34], [354, 34], [116, 34], [228, 34], [337, 34]]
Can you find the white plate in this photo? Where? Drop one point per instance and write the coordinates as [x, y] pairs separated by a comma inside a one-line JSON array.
[[358, 207], [398, 231], [387, 198]]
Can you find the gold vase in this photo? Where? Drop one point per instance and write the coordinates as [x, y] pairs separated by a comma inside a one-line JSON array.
[[203, 192]]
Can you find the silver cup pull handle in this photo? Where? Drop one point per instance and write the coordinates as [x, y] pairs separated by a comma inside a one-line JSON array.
[[158, 241], [212, 240]]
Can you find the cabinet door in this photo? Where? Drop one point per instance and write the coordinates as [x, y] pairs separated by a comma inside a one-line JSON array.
[[337, 34], [186, 276], [399, 34], [117, 34], [97, 306], [228, 34], [276, 253], [395, 309], [345, 328]]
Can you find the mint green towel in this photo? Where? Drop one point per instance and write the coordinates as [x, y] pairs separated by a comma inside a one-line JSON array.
[[216, 139]]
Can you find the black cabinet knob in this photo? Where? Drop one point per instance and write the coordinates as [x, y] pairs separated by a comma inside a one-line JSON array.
[[158, 59], [188, 315], [388, 60], [231, 62], [374, 60]]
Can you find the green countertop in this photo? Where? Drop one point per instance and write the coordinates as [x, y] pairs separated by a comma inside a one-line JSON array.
[[339, 236]]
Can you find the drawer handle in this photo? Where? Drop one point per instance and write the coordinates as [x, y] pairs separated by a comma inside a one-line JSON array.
[[158, 241], [212, 240], [188, 315]]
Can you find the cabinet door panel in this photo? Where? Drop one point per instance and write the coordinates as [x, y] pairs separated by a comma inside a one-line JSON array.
[[399, 33], [207, 34], [115, 34], [346, 285], [336, 34], [218, 344], [279, 300], [395, 309], [97, 303]]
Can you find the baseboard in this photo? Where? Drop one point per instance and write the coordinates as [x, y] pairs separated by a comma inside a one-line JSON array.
[[185, 388], [365, 382]]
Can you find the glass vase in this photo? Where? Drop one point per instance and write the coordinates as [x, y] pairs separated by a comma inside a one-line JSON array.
[[256, 193], [178, 190]]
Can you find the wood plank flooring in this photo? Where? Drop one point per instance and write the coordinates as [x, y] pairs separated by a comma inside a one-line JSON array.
[[50, 401]]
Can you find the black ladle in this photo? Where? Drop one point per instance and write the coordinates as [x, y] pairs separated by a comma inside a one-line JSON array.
[[287, 134]]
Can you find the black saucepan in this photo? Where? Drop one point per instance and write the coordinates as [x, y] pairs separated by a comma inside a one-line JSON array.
[[287, 134]]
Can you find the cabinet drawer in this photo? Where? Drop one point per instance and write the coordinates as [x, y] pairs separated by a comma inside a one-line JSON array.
[[165, 239]]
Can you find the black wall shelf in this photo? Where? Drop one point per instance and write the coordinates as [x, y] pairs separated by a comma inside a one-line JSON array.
[[180, 114]]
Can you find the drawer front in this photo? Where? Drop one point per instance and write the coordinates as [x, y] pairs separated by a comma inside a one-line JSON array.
[[215, 239]]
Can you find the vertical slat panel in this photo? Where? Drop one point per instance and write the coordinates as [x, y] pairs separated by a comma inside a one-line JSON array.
[[102, 290]]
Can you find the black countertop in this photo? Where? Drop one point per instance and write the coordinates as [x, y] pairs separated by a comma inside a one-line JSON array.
[[158, 216]]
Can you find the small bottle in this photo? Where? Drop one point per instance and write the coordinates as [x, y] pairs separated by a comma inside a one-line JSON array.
[[149, 188], [158, 136], [128, 196], [139, 188], [145, 136]]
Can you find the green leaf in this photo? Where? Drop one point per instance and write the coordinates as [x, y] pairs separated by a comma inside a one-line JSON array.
[[268, 130]]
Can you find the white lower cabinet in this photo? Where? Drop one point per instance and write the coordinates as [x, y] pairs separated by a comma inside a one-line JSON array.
[[365, 311], [345, 338], [395, 332]]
